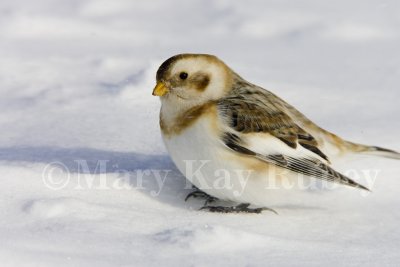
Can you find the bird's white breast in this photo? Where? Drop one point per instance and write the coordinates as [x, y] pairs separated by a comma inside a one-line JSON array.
[[225, 174]]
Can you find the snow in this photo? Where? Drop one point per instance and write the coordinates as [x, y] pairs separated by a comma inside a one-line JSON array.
[[76, 81]]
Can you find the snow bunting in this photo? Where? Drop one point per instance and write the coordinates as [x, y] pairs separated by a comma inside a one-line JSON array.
[[236, 141]]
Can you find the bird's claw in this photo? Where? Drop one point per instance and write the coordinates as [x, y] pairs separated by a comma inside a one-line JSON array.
[[244, 207], [200, 194], [241, 208]]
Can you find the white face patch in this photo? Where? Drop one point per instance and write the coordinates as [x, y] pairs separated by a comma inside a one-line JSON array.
[[216, 71], [182, 99]]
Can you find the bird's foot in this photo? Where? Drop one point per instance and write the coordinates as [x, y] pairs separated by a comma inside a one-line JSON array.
[[200, 194], [244, 207]]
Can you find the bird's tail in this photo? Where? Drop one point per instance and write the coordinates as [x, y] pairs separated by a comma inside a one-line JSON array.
[[373, 151]]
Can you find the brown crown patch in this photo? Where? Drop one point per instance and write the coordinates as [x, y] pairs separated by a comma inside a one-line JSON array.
[[165, 67]]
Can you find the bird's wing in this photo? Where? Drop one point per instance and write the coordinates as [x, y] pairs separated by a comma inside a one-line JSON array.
[[257, 126]]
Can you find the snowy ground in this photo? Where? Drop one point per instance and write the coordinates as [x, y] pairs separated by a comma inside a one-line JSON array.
[[76, 79]]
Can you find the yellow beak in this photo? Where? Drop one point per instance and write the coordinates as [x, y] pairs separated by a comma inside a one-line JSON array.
[[160, 89]]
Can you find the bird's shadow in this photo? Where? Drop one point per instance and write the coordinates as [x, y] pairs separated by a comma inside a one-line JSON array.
[[153, 175], [169, 187]]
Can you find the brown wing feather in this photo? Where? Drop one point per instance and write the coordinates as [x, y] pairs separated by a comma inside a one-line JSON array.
[[249, 109]]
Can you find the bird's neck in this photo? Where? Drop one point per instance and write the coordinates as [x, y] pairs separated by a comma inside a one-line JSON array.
[[174, 118]]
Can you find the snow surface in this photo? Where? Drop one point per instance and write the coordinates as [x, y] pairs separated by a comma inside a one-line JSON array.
[[76, 78]]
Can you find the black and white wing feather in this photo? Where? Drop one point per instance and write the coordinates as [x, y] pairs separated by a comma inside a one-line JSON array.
[[257, 125]]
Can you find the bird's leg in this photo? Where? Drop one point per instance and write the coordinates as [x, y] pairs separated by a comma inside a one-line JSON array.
[[200, 194], [244, 207], [241, 208]]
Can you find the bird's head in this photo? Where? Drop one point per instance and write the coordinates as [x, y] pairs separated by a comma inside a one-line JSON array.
[[192, 79]]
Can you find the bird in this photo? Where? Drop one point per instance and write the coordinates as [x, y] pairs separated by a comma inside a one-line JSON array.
[[238, 142]]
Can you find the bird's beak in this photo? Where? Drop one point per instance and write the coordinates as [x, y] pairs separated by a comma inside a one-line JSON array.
[[160, 89]]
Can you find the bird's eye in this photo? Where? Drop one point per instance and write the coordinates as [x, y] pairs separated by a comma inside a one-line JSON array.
[[183, 75]]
